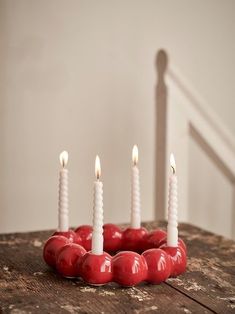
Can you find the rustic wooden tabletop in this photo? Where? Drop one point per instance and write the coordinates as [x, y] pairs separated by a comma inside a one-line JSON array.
[[27, 285]]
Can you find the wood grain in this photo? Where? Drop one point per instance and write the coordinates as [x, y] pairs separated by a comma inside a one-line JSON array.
[[27, 285]]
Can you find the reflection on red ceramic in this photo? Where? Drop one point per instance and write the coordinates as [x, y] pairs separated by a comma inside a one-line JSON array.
[[95, 269], [85, 233], [183, 245], [178, 258], [129, 268], [154, 239], [112, 238], [133, 239], [52, 247], [70, 234], [159, 265], [180, 243], [67, 259]]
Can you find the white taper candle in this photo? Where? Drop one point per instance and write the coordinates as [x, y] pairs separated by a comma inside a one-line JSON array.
[[135, 192], [63, 206], [97, 234], [172, 227]]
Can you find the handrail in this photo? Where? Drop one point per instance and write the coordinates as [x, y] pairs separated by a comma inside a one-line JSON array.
[[199, 122], [207, 122]]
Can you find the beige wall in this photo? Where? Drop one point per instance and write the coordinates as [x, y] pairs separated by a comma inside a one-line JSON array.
[[211, 194], [79, 75]]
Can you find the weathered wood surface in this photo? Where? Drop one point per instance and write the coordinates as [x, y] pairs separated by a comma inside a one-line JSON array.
[[27, 285]]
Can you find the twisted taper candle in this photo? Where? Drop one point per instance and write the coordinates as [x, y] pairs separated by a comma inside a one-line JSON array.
[[63, 205], [135, 192], [172, 227], [97, 234]]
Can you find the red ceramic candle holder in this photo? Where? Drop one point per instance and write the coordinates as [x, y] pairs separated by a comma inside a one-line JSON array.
[[112, 238], [159, 265], [68, 258], [52, 247], [85, 233], [69, 253], [178, 259], [71, 235], [134, 239], [129, 268], [96, 269]]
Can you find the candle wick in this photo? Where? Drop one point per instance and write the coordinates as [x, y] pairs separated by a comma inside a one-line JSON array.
[[173, 169]]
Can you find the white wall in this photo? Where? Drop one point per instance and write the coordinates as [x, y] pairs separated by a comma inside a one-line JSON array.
[[210, 193], [79, 75]]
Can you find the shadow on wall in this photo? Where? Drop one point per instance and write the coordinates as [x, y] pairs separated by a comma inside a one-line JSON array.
[[161, 127]]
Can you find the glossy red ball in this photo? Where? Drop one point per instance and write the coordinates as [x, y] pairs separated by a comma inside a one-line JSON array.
[[159, 265], [85, 233], [52, 247], [129, 268], [178, 259], [154, 239], [180, 243], [70, 234], [112, 238], [67, 259], [96, 269], [134, 239]]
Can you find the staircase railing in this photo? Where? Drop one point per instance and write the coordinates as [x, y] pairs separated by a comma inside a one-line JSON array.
[[182, 113]]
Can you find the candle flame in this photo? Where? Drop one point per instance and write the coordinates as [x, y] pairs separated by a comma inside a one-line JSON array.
[[97, 167], [64, 156], [135, 154], [172, 162]]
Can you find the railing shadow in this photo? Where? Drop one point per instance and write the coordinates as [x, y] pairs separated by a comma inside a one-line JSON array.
[[161, 133]]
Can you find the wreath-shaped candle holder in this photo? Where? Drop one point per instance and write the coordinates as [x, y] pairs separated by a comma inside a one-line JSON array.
[[134, 256]]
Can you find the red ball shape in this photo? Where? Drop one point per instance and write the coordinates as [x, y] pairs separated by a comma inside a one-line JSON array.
[[70, 234], [154, 239], [67, 259], [95, 269], [52, 247], [178, 259], [129, 268], [180, 243], [112, 238], [134, 239], [159, 265], [85, 233]]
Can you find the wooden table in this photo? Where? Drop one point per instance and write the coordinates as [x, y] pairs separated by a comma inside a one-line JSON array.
[[27, 285]]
